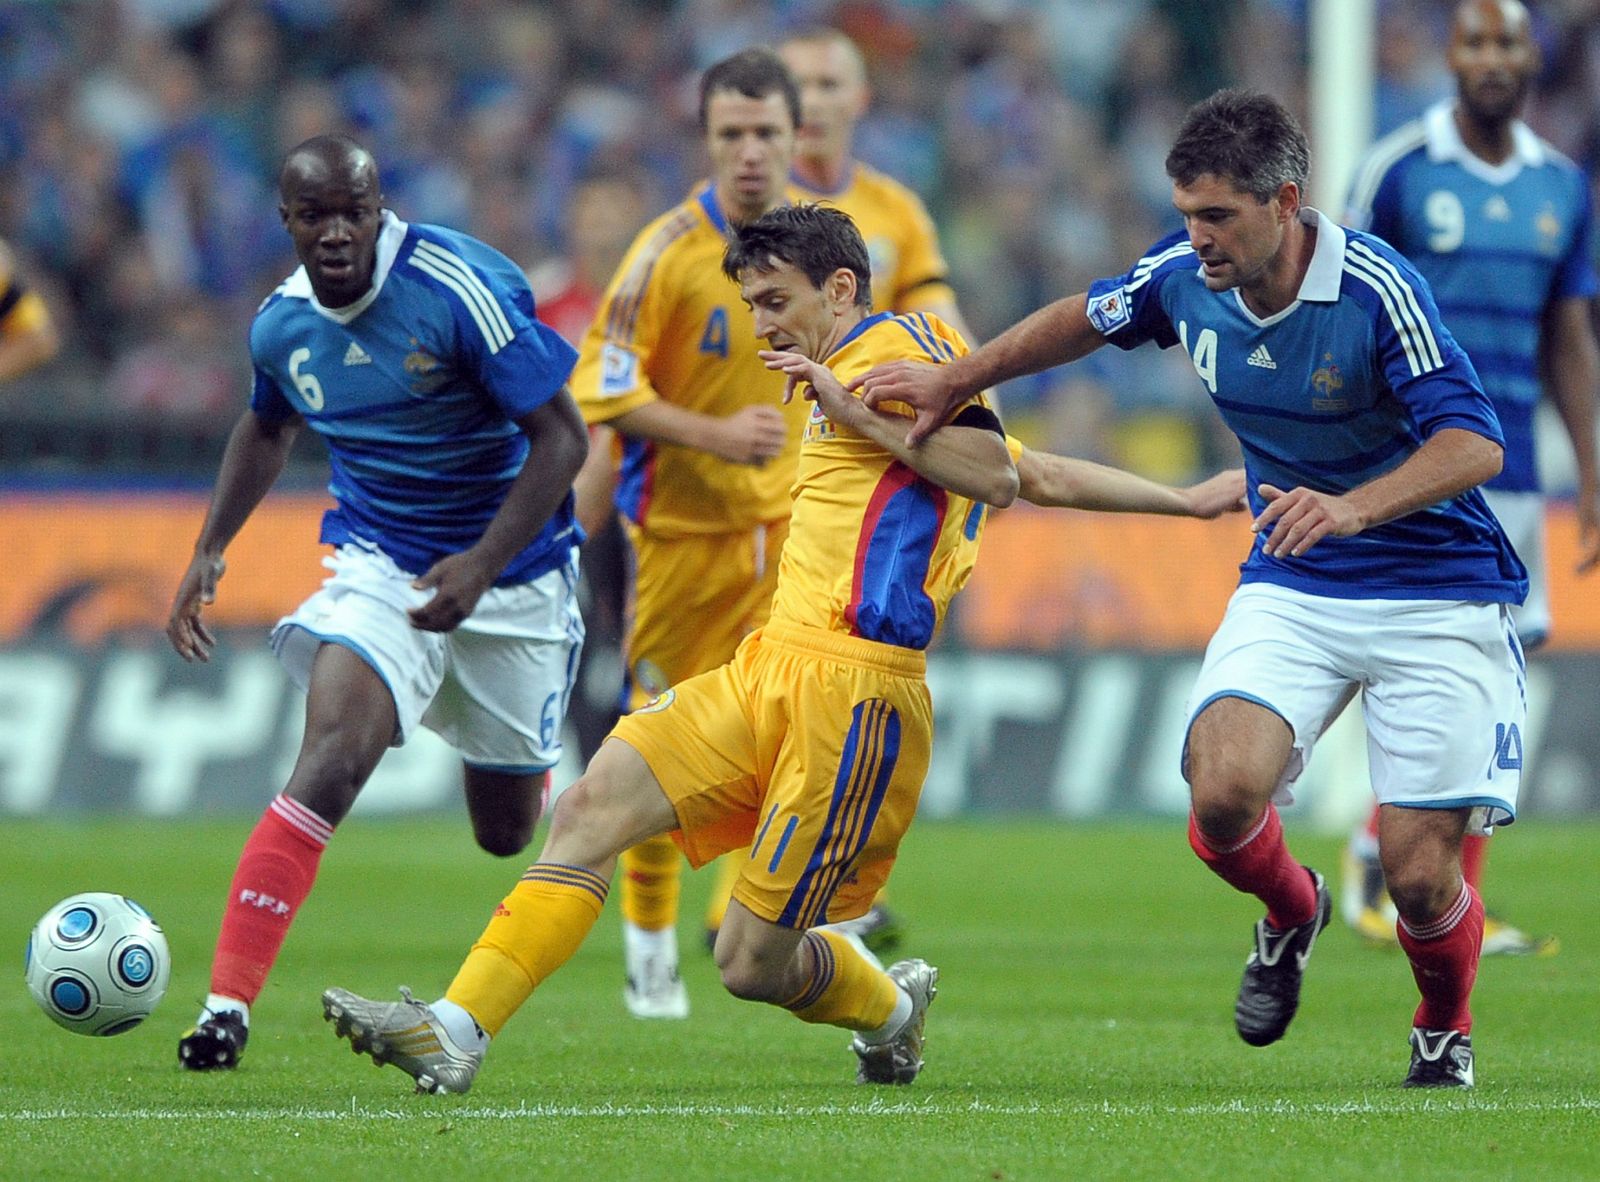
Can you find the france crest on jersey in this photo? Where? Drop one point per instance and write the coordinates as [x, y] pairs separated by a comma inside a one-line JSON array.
[[416, 388], [1335, 390], [1497, 243]]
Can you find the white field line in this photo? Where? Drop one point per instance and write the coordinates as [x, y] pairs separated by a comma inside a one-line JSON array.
[[357, 1112]]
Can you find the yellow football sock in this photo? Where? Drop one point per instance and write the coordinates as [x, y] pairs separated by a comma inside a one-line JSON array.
[[652, 879], [727, 867], [845, 988], [533, 932]]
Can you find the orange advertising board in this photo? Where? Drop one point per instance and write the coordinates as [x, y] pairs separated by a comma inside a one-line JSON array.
[[89, 564], [85, 565]]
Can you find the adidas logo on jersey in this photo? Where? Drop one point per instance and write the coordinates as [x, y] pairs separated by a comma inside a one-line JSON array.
[[356, 355], [1261, 358], [1497, 209]]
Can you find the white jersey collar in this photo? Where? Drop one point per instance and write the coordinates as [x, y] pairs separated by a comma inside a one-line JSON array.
[[390, 235], [1445, 144], [1326, 271]]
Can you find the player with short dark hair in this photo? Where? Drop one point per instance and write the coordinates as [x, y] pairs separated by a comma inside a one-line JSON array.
[[811, 744], [1378, 568], [1502, 227], [414, 352]]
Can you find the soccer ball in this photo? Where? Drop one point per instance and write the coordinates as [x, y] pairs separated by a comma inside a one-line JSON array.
[[97, 963]]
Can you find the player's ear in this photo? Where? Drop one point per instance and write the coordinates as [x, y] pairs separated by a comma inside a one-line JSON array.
[[283, 214], [840, 287], [1288, 200]]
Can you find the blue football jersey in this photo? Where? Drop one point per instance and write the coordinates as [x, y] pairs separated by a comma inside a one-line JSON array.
[[1335, 390], [415, 388], [1497, 243]]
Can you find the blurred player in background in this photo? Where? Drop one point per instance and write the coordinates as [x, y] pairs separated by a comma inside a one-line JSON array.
[[1379, 568], [28, 336], [909, 273], [709, 451], [605, 210], [414, 352], [1500, 225], [813, 741]]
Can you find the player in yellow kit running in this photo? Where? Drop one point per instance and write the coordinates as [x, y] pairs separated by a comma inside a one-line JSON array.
[[708, 452], [812, 743]]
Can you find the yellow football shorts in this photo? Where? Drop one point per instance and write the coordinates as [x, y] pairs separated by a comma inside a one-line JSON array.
[[810, 747], [693, 599]]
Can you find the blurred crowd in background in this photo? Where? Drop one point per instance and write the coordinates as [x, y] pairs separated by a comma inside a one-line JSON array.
[[139, 143]]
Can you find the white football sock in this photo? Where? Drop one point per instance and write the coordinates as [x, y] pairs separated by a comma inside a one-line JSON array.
[[216, 1003], [461, 1026], [898, 1018]]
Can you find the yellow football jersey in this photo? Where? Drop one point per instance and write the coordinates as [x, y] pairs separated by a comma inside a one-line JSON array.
[[672, 326], [875, 550], [908, 269]]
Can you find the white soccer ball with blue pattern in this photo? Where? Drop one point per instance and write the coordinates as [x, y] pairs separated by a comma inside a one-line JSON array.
[[97, 963]]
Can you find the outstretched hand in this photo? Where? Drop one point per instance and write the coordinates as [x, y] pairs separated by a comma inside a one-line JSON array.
[[197, 590], [458, 582], [1297, 520], [1222, 493], [921, 385]]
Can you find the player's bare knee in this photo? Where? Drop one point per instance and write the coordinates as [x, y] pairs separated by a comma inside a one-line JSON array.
[[1224, 809], [327, 778], [1423, 889], [751, 977]]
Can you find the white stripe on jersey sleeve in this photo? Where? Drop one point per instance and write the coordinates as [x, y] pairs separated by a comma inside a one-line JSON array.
[[1146, 266], [1416, 335], [479, 301], [457, 264], [1383, 156], [1407, 298]]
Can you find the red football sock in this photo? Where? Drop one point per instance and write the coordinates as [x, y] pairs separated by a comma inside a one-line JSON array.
[[1259, 864], [1474, 847], [1371, 827], [275, 873], [1444, 960]]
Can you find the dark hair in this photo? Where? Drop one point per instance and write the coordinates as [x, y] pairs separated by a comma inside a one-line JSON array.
[[1244, 137], [754, 73], [816, 239]]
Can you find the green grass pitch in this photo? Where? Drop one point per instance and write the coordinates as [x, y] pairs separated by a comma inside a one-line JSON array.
[[1083, 1029]]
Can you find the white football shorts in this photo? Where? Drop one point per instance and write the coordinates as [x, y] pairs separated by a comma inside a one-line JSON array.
[[495, 689], [1442, 685], [1521, 515]]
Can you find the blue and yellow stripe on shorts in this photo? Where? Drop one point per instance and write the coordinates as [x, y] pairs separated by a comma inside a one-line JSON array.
[[865, 767]]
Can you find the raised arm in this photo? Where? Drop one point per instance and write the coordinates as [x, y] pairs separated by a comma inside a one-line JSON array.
[[1063, 482], [970, 461], [1054, 335], [255, 455], [1572, 373]]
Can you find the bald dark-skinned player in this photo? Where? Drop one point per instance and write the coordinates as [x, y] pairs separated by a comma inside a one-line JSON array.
[[414, 352]]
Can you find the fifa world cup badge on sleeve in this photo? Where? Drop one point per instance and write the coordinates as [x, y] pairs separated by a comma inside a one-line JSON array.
[[1109, 312], [619, 371]]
